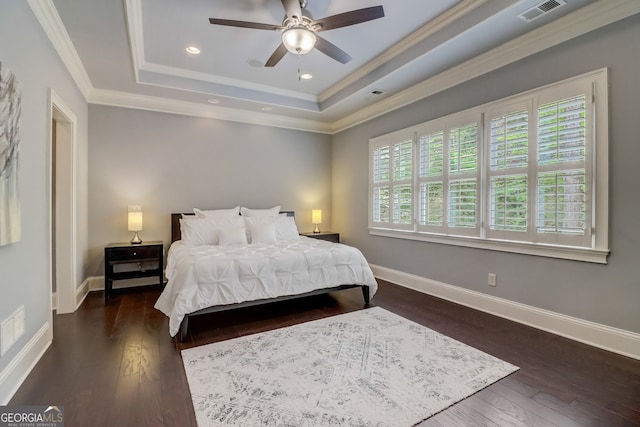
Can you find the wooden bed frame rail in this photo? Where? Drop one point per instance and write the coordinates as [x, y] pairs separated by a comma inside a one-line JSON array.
[[184, 326]]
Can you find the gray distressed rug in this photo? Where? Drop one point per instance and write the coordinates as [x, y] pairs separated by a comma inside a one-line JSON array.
[[365, 368]]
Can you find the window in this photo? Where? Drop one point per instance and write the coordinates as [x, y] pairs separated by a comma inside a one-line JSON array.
[[392, 182], [526, 174]]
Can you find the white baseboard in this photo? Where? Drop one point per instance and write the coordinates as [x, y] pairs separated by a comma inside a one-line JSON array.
[[96, 283], [17, 370], [605, 337], [82, 292]]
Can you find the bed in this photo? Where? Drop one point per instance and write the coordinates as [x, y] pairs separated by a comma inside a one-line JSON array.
[[215, 272]]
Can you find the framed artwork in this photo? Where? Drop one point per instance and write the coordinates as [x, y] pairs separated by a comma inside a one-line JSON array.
[[10, 108]]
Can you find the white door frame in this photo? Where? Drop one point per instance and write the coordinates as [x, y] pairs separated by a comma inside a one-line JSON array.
[[64, 194]]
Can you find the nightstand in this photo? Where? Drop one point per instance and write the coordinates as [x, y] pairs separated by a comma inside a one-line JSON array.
[[324, 235], [128, 261]]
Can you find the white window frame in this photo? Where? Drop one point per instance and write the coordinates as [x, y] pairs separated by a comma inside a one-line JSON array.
[[592, 247], [390, 140]]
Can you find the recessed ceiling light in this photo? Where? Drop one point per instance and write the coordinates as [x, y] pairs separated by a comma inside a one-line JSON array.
[[213, 101], [266, 108], [306, 76], [193, 50]]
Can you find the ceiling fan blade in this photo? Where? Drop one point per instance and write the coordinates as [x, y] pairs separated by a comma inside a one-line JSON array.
[[293, 9], [276, 56], [332, 50], [349, 18], [245, 24]]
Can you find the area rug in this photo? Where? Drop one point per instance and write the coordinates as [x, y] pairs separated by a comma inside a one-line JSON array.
[[366, 368]]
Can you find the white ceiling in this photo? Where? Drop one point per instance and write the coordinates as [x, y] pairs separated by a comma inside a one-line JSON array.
[[133, 53]]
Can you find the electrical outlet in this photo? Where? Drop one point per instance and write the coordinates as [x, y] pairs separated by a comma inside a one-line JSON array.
[[492, 279]]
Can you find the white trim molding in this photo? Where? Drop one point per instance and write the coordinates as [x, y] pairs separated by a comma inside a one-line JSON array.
[[96, 283], [582, 21], [82, 291], [14, 374], [597, 335], [438, 23], [50, 21], [165, 105]]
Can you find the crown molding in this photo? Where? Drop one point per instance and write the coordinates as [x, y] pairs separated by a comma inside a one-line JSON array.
[[433, 26], [210, 78], [165, 105], [133, 12], [50, 21], [582, 21]]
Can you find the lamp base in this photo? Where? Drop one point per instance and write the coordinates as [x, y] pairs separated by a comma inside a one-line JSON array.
[[317, 229], [136, 239]]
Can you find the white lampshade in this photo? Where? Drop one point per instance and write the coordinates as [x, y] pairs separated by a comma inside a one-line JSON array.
[[134, 221], [298, 39], [316, 218]]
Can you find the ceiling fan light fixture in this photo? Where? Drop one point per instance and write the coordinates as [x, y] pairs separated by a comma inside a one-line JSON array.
[[298, 39]]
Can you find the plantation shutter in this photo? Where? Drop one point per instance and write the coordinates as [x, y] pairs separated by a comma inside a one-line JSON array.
[[391, 181], [402, 182], [381, 184], [525, 174], [562, 184], [431, 180], [463, 180], [508, 156]]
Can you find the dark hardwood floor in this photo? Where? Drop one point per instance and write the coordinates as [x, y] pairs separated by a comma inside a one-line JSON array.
[[115, 364]]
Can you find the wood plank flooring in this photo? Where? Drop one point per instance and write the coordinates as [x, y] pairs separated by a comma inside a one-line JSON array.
[[114, 364]]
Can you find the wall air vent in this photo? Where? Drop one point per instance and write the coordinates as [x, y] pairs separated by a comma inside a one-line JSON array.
[[541, 9]]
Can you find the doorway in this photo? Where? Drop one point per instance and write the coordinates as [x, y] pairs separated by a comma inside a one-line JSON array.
[[63, 206]]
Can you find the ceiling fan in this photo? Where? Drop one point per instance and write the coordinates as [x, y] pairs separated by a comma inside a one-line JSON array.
[[299, 30]]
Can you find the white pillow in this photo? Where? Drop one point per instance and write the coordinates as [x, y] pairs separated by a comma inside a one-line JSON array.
[[262, 233], [232, 236], [274, 211], [197, 231], [217, 213], [286, 228]]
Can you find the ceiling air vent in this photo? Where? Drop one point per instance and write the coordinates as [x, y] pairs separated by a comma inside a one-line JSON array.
[[541, 9]]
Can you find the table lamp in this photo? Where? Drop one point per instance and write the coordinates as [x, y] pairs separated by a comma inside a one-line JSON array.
[[134, 222], [316, 218]]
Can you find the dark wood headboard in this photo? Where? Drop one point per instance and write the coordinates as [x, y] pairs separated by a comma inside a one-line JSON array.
[[175, 223]]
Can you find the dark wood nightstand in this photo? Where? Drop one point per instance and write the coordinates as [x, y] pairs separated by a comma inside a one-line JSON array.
[[128, 261], [324, 235]]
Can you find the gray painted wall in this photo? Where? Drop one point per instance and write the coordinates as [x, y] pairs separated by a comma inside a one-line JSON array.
[[25, 266], [171, 163], [606, 294]]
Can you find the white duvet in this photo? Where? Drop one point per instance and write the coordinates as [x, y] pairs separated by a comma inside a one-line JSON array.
[[205, 276]]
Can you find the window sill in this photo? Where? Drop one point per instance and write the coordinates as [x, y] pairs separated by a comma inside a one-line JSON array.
[[598, 256]]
